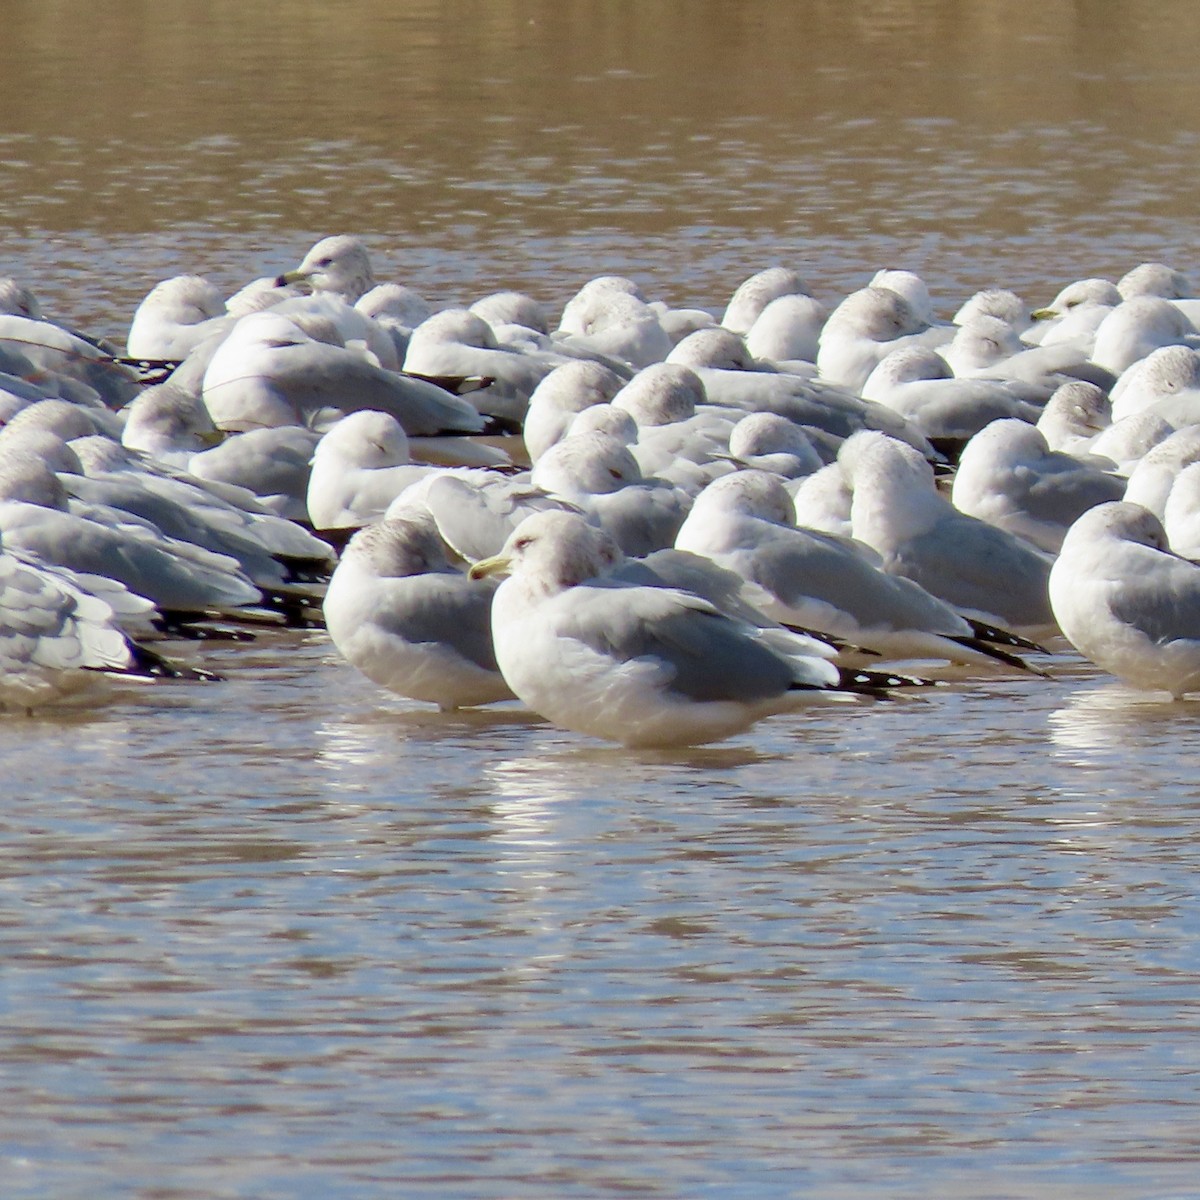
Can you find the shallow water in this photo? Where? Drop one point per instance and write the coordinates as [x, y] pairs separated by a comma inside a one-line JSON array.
[[284, 936]]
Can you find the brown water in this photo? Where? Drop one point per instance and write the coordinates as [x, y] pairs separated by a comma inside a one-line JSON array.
[[287, 937]]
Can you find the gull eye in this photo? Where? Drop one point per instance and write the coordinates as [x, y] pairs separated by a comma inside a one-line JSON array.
[[523, 543], [324, 262]]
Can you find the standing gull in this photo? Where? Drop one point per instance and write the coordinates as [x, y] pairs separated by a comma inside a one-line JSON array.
[[644, 666]]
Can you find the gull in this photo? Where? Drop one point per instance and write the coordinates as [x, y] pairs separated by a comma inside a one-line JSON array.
[[57, 640], [1076, 413], [273, 465], [1137, 326], [1127, 441], [340, 264], [1166, 382], [456, 342], [772, 443], [1151, 479], [64, 418], [396, 308], [175, 316], [996, 302], [867, 325], [1075, 313], [268, 372], [989, 348], [733, 378], [176, 576], [1181, 513], [512, 308], [788, 330], [605, 418], [229, 508], [356, 330], [263, 546], [560, 397], [1009, 477], [911, 286], [66, 361], [402, 615], [600, 476], [616, 324], [169, 424], [643, 666], [194, 528], [743, 522], [752, 296], [1158, 279], [1125, 601], [474, 511], [822, 501], [980, 570], [917, 382], [359, 467]]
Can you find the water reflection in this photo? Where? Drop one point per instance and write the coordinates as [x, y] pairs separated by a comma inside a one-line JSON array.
[[1104, 722]]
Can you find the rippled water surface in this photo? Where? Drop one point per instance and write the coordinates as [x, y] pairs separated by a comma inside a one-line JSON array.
[[285, 936]]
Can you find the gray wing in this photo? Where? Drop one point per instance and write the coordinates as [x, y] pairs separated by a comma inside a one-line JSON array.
[[1163, 602], [1067, 491], [317, 376], [708, 656], [446, 608], [973, 565], [797, 565]]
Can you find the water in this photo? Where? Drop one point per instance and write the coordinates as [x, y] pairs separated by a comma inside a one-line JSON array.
[[285, 936]]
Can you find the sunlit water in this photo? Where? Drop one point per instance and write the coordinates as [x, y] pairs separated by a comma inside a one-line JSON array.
[[285, 936]]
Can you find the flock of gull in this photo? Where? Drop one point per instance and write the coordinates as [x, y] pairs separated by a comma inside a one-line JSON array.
[[649, 524]]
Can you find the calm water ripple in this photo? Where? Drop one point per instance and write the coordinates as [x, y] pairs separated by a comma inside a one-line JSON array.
[[472, 955]]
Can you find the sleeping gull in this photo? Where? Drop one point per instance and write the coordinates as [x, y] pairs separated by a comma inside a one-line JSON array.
[[175, 316], [456, 341], [269, 372], [599, 475], [359, 467], [917, 382], [1181, 513], [1076, 413], [410, 622], [1009, 477], [733, 378], [644, 666], [753, 295], [560, 396], [978, 569], [58, 640], [788, 330], [867, 325], [743, 522], [1136, 327], [1125, 601]]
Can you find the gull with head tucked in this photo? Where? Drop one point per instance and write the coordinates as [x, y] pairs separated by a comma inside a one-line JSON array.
[[1124, 600], [981, 570]]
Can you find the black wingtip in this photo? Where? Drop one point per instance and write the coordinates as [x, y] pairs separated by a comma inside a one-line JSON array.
[[148, 662], [1003, 637], [880, 684], [1004, 656]]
